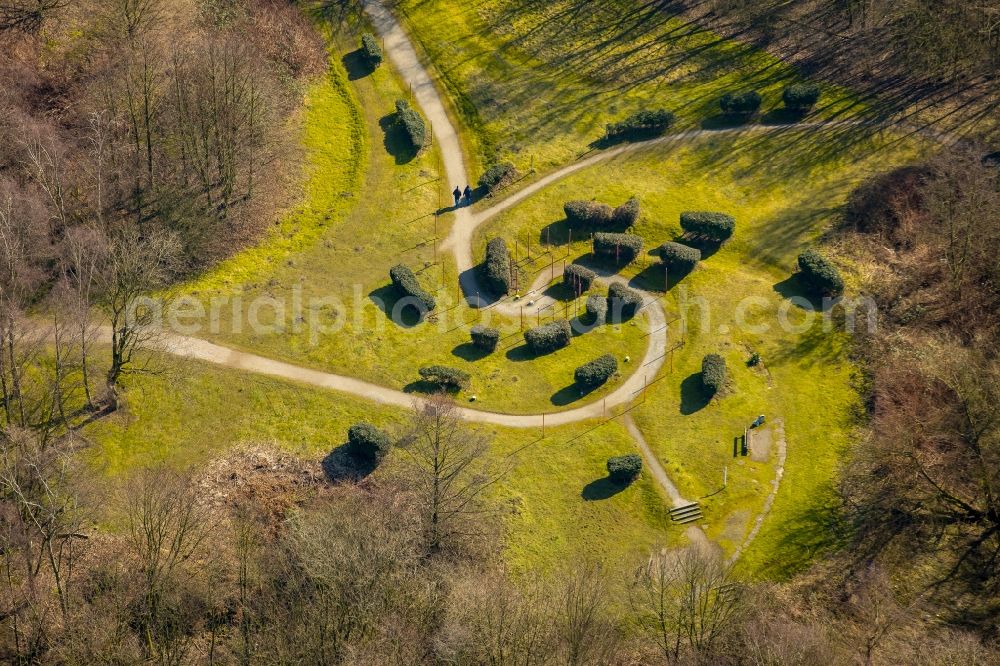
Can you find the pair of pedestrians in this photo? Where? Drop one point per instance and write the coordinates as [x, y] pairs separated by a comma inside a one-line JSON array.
[[458, 194]]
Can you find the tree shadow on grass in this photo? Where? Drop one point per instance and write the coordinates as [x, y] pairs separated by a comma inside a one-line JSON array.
[[387, 299], [706, 246], [397, 143], [694, 395], [571, 393], [521, 353], [651, 278], [782, 116], [721, 122], [470, 352], [791, 288], [557, 233], [430, 388], [601, 489], [340, 465], [357, 65]]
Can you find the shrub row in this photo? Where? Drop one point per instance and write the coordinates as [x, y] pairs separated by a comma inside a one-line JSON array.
[[596, 214], [713, 372], [625, 469], [740, 105], [371, 50], [597, 308], [548, 337], [623, 301], [819, 275], [366, 442], [714, 226], [484, 337], [496, 267], [407, 285], [596, 372], [678, 256], [498, 176], [623, 247], [444, 377], [578, 278], [640, 124], [412, 123], [801, 97]]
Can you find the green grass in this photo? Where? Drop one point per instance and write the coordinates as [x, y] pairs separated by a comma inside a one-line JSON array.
[[536, 82]]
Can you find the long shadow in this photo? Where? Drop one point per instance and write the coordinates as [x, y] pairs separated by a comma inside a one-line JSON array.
[[357, 65], [782, 116], [429, 388], [340, 465], [521, 353], [469, 281], [387, 299], [395, 139], [706, 246], [470, 352], [792, 289], [694, 395], [601, 489], [571, 393], [720, 121], [651, 278], [557, 233]]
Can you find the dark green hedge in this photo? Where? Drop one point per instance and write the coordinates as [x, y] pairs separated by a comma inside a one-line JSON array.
[[581, 213], [819, 275], [625, 469], [678, 256], [548, 337], [714, 226], [596, 372], [444, 377], [740, 105], [407, 285], [367, 442], [578, 278], [597, 308], [498, 176], [371, 49], [713, 372], [801, 97], [412, 123], [640, 124], [622, 301], [627, 214], [496, 267], [623, 247], [484, 337]]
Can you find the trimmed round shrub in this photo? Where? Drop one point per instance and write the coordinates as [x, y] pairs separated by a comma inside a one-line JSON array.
[[713, 372], [801, 97], [578, 278], [627, 214], [498, 176], [366, 442], [596, 372], [819, 275], [495, 270], [484, 337], [623, 247], [679, 256], [623, 470], [371, 50], [646, 123], [407, 286], [548, 337], [597, 308], [740, 105], [622, 301], [717, 227], [412, 123], [444, 377], [581, 213]]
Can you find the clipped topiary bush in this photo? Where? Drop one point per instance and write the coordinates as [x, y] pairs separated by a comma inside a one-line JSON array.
[[407, 285], [596, 372], [444, 377], [578, 278], [713, 372], [717, 227], [412, 123], [800, 98], [627, 214], [496, 267], [587, 213], [597, 308], [623, 470], [740, 105], [622, 247], [498, 176], [819, 275], [366, 442], [640, 124], [679, 257], [548, 337], [484, 337], [622, 301], [371, 50]]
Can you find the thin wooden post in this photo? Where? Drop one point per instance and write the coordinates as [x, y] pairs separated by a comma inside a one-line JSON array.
[[522, 317], [725, 475]]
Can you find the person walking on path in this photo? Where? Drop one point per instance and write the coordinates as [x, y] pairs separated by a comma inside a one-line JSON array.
[[468, 194], [458, 195]]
